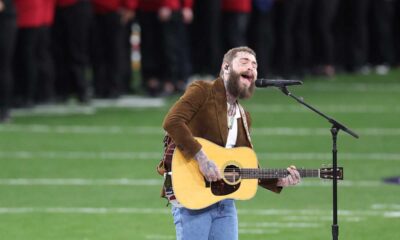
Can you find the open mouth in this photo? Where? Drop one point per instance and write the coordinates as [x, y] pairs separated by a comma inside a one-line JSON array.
[[248, 76]]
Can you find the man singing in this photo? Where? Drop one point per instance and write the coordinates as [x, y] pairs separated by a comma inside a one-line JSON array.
[[211, 110]]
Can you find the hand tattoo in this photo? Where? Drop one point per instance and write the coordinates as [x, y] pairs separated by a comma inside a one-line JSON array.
[[207, 167]]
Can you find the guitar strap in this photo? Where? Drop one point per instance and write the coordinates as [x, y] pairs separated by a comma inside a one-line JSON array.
[[246, 127], [164, 166], [165, 163]]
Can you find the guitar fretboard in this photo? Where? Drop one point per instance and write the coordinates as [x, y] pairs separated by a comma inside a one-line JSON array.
[[251, 173]]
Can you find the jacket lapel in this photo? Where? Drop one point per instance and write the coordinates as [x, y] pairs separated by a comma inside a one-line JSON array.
[[220, 105]]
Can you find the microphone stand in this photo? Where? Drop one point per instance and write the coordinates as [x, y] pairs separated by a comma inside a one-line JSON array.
[[336, 127]]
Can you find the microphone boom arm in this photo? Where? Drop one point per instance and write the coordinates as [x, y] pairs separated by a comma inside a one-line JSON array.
[[335, 123]]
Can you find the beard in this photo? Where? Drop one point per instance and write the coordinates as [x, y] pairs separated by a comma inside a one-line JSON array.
[[235, 88]]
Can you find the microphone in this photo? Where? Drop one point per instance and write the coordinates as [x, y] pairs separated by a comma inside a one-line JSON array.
[[262, 83]]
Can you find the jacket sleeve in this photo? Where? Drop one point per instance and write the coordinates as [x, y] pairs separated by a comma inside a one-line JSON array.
[[177, 119], [270, 184]]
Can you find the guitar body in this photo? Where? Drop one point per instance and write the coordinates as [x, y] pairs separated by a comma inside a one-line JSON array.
[[240, 172], [194, 192]]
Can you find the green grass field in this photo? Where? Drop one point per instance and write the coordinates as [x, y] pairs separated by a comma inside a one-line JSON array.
[[92, 175]]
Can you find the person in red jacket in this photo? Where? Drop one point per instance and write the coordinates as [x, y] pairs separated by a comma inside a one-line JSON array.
[[164, 47], [70, 48], [205, 35], [152, 60], [235, 19], [110, 17], [29, 20], [174, 16], [8, 29], [45, 76]]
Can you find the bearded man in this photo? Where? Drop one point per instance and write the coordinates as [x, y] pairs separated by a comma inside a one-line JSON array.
[[211, 110]]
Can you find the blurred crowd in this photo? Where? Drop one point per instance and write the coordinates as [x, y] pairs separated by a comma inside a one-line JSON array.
[[52, 50]]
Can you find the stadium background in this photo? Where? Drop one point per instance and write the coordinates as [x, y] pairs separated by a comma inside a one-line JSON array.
[[87, 171]]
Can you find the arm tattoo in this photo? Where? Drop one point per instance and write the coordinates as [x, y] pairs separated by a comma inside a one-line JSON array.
[[200, 156]]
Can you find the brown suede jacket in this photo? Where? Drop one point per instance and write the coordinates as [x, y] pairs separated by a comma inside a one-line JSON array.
[[202, 112]]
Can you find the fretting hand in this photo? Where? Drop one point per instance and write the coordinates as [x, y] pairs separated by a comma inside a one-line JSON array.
[[292, 179], [207, 167]]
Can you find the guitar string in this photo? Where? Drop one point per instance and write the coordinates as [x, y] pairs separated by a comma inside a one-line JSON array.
[[270, 173]]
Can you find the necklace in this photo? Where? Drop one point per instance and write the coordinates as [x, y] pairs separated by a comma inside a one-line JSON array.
[[231, 114]]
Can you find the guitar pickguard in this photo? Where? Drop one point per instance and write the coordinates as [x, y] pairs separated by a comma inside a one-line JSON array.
[[220, 188]]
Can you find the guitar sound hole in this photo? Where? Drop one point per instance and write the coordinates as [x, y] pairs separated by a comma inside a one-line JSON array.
[[232, 174], [228, 185]]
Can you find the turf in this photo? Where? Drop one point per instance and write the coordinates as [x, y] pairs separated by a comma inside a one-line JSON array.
[[92, 176]]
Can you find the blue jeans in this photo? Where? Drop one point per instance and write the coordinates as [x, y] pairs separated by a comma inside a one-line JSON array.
[[216, 222]]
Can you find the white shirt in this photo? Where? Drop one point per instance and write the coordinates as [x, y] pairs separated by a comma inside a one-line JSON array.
[[233, 131]]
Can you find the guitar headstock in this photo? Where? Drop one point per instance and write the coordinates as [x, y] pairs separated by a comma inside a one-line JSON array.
[[327, 173]]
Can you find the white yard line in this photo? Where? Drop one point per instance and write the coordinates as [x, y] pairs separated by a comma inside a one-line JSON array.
[[392, 214], [342, 183], [279, 225], [55, 110], [328, 156], [350, 87], [86, 210], [80, 155], [319, 212], [349, 109], [155, 182], [285, 131], [258, 231], [381, 206], [149, 130], [301, 156], [154, 236], [68, 109], [63, 129], [320, 218], [382, 87], [166, 210], [80, 182]]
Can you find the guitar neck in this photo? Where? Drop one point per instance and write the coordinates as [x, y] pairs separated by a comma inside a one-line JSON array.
[[252, 173]]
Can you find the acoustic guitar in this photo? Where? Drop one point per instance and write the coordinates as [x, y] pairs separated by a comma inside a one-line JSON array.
[[240, 174]]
